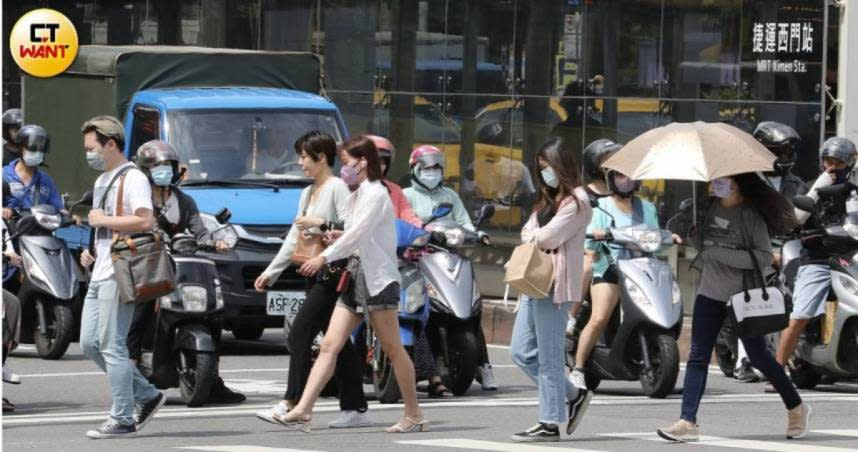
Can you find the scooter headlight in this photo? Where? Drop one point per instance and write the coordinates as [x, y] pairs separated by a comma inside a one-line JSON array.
[[420, 241], [194, 298], [649, 241], [677, 295], [415, 297], [635, 293], [848, 284], [220, 232], [48, 221], [455, 237], [433, 292], [218, 294], [166, 302]]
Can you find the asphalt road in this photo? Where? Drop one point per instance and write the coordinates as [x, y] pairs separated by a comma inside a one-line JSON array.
[[60, 400]]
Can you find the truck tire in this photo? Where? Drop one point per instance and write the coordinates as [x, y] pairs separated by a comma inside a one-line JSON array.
[[60, 330], [248, 333], [196, 383], [658, 382]]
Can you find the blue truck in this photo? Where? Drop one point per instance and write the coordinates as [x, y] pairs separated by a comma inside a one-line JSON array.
[[233, 116]]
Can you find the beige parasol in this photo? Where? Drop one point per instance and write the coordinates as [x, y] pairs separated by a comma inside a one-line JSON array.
[[691, 151]]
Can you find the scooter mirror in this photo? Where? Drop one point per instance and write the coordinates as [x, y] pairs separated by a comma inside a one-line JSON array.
[[686, 205], [223, 215], [85, 200], [486, 213], [804, 203], [442, 210]]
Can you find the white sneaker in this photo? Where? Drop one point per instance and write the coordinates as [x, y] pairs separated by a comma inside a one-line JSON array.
[[274, 414], [351, 419], [486, 377], [570, 325], [577, 379], [10, 377]]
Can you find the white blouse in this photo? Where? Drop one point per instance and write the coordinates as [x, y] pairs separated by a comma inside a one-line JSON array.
[[331, 204], [371, 231]]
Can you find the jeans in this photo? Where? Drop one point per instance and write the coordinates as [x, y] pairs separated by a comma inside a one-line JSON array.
[[314, 316], [811, 289], [538, 348], [708, 316], [103, 330]]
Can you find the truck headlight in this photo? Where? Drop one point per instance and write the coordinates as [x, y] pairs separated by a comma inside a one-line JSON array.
[[415, 298], [194, 298], [635, 293], [219, 232], [218, 294]]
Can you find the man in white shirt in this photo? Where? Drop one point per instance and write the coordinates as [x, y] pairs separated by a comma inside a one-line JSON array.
[[105, 320]]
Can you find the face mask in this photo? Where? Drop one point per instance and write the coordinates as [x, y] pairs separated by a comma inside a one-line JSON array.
[[624, 186], [33, 158], [431, 178], [350, 175], [162, 176], [722, 187], [549, 177], [95, 161], [841, 175]]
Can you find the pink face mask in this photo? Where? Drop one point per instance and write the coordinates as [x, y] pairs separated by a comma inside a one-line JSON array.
[[350, 175]]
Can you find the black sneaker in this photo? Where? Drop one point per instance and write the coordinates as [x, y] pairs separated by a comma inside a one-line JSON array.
[[746, 374], [147, 410], [220, 394], [577, 408], [112, 429], [540, 432]]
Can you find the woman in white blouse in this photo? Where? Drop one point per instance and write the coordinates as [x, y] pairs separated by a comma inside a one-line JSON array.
[[374, 288], [323, 203]]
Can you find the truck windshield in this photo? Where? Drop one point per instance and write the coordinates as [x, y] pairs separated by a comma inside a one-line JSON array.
[[228, 145]]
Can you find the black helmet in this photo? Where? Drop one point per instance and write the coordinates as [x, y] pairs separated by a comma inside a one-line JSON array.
[[782, 140], [839, 148], [33, 138], [595, 153], [12, 118]]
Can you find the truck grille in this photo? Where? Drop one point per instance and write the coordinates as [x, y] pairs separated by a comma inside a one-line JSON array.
[[277, 230], [289, 279]]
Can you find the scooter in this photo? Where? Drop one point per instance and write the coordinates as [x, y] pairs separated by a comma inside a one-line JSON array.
[[639, 342], [50, 280], [180, 345], [413, 315], [829, 345], [455, 300]]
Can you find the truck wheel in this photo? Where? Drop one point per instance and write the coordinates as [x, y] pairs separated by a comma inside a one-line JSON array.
[[248, 333], [60, 329], [196, 381], [458, 374], [658, 381], [803, 374]]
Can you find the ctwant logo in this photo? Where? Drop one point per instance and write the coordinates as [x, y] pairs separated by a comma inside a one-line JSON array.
[[43, 42]]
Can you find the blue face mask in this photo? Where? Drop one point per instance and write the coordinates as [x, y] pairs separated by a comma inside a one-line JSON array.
[[162, 176], [33, 158], [93, 158]]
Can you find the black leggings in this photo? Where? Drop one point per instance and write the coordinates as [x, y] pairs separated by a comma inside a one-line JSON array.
[[313, 317]]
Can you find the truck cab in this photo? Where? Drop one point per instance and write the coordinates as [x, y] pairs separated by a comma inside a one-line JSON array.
[[236, 148]]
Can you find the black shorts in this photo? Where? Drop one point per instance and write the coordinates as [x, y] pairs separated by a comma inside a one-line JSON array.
[[387, 299], [610, 276]]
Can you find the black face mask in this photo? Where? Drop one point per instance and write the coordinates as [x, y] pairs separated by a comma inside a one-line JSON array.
[[840, 176]]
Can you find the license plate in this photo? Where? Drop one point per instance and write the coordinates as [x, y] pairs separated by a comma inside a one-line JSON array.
[[286, 303]]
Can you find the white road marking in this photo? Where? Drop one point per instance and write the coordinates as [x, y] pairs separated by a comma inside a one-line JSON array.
[[245, 448], [498, 346], [84, 374], [716, 441], [853, 433], [495, 402], [459, 443]]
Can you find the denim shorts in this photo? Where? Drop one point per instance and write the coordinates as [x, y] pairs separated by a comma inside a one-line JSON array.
[[387, 299], [811, 289]]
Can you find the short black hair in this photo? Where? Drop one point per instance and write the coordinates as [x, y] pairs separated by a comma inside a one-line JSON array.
[[317, 145]]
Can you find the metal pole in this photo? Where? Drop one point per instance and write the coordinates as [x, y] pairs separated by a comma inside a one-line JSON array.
[[847, 77]]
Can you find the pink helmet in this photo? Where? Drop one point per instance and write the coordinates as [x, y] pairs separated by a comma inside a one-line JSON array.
[[425, 156], [384, 146]]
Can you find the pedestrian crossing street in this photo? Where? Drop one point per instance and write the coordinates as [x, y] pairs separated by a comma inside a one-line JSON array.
[[806, 445]]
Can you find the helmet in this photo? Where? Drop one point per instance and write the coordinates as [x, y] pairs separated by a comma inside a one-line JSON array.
[[839, 148], [12, 118], [782, 140], [155, 152], [33, 138], [595, 153], [426, 156], [385, 150]]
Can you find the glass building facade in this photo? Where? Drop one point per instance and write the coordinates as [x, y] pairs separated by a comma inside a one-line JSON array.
[[488, 81]]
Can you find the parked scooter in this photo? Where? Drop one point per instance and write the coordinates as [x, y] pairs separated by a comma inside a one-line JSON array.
[[829, 345], [180, 346], [413, 315], [456, 303], [49, 280], [639, 342]]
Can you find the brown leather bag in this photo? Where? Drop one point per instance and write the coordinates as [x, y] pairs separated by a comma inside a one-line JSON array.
[[309, 245]]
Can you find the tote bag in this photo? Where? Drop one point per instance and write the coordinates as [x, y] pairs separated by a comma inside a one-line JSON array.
[[530, 270]]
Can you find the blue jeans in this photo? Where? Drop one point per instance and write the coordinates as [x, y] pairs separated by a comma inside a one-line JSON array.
[[706, 321], [538, 348], [103, 330], [811, 289]]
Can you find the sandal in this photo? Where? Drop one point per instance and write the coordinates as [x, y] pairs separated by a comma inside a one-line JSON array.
[[416, 426], [437, 390], [292, 419]]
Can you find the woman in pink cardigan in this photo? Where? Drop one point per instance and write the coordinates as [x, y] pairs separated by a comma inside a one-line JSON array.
[[558, 225]]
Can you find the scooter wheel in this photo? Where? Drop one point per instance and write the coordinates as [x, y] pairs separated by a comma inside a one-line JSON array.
[[195, 382], [60, 329]]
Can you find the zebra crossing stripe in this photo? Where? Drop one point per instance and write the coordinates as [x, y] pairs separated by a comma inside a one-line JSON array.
[[461, 443], [717, 441]]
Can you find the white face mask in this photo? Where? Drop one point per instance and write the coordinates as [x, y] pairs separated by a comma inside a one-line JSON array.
[[549, 177], [33, 158], [722, 187], [431, 178]]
